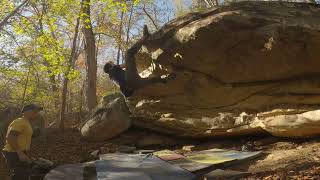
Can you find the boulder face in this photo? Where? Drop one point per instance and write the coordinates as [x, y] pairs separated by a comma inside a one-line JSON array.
[[245, 57], [108, 119], [296, 125]]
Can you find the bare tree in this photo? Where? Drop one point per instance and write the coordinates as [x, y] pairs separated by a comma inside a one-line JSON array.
[[66, 80], [120, 37], [149, 16], [91, 61]]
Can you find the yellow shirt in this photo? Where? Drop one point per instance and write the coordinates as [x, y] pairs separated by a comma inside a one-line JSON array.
[[25, 134]]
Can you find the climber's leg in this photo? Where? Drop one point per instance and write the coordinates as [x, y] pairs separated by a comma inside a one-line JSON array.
[[132, 74]]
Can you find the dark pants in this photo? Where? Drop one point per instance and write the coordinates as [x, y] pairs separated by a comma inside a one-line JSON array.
[[19, 170]]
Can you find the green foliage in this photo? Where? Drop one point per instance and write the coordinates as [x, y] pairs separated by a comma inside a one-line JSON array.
[[113, 7], [34, 56], [6, 6], [41, 45]]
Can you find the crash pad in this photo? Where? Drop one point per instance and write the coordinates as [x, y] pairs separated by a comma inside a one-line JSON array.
[[225, 174], [180, 160], [168, 155], [190, 166], [200, 160], [84, 171], [121, 167], [218, 156], [69, 171], [138, 167]]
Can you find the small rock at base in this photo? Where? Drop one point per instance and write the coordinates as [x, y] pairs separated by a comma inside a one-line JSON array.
[[95, 153], [188, 148]]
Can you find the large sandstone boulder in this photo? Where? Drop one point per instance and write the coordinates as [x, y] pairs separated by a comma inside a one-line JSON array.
[[246, 57], [295, 125], [109, 119]]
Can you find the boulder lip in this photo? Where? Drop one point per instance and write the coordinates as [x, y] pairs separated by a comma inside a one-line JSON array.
[[170, 28], [177, 35]]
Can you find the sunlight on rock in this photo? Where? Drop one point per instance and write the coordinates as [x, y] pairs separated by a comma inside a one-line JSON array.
[[167, 115], [268, 45], [146, 102], [178, 56], [224, 78], [156, 53]]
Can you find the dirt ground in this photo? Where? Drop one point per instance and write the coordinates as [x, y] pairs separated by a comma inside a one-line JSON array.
[[282, 158]]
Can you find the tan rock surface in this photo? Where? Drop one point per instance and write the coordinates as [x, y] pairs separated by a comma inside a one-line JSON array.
[[108, 120], [247, 57]]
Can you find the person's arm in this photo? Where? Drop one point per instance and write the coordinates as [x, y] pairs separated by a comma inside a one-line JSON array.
[[12, 140]]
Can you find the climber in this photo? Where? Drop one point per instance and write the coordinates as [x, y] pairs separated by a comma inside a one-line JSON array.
[[18, 141], [129, 79]]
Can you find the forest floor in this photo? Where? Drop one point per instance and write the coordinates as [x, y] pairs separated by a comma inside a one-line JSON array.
[[282, 158]]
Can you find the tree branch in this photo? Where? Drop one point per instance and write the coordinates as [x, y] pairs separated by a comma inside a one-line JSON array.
[[120, 37], [153, 22], [102, 33], [129, 25], [5, 20]]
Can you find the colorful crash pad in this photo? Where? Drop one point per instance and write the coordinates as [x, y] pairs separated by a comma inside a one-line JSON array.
[[138, 167], [218, 156], [190, 165], [148, 167], [209, 158], [168, 155], [121, 167], [225, 174]]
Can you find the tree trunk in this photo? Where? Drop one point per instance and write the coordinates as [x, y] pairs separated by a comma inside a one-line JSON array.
[[90, 49], [52, 77], [120, 38], [66, 80], [128, 35], [63, 103], [129, 26], [25, 88], [81, 101]]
